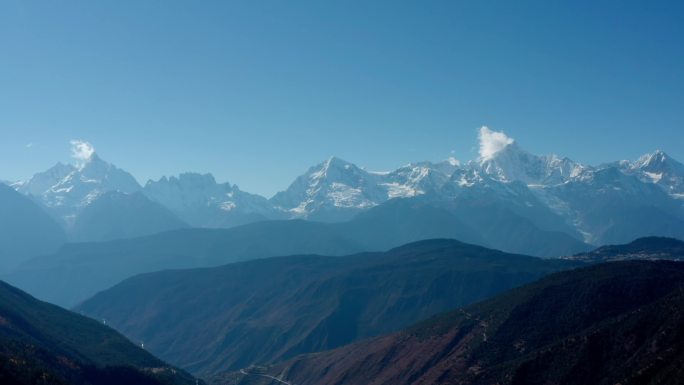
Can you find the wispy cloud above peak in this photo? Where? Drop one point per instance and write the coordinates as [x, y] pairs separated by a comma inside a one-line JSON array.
[[491, 142], [81, 150]]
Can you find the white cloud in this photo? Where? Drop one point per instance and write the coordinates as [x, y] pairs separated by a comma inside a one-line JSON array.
[[29, 145], [81, 150], [492, 142]]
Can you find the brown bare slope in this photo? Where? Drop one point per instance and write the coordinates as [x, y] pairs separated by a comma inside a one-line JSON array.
[[612, 323]]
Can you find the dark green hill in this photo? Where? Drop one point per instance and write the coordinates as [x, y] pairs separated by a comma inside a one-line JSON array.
[[44, 344], [613, 323], [228, 317]]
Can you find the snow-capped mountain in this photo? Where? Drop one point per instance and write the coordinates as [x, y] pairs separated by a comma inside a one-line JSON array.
[[661, 169], [416, 179], [607, 203], [67, 189], [332, 190], [615, 202], [336, 189], [507, 162], [43, 181], [609, 206], [199, 200]]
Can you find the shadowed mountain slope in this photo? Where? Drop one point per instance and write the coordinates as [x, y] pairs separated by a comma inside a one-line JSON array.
[[209, 320], [611, 323], [44, 344]]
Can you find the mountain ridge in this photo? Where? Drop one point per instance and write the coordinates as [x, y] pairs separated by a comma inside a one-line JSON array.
[[77, 271], [269, 309], [573, 327], [637, 198], [43, 343]]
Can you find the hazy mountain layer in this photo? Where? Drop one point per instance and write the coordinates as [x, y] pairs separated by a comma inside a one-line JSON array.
[[26, 230], [78, 271], [116, 215]]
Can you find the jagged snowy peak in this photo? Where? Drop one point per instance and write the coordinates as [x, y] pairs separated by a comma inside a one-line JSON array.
[[418, 179], [502, 159], [334, 185], [201, 201], [661, 169], [337, 189], [609, 205], [540, 189], [611, 179], [43, 181], [66, 189], [190, 190]]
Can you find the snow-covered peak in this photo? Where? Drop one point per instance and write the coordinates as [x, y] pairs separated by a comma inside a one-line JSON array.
[[43, 181], [511, 163], [188, 190], [337, 186], [657, 161], [661, 169], [333, 185], [66, 188], [106, 176], [201, 201], [337, 169], [186, 180]]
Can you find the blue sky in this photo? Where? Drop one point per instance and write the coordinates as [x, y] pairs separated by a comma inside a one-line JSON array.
[[257, 91]]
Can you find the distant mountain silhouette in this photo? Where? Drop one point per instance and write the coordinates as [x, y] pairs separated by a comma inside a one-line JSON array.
[[79, 271], [650, 248], [116, 215], [202, 202], [26, 230]]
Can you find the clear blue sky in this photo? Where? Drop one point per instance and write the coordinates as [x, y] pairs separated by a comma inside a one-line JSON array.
[[257, 91]]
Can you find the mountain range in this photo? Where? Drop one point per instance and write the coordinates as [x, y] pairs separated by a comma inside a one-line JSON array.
[[609, 203], [79, 270], [611, 323], [229, 317]]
